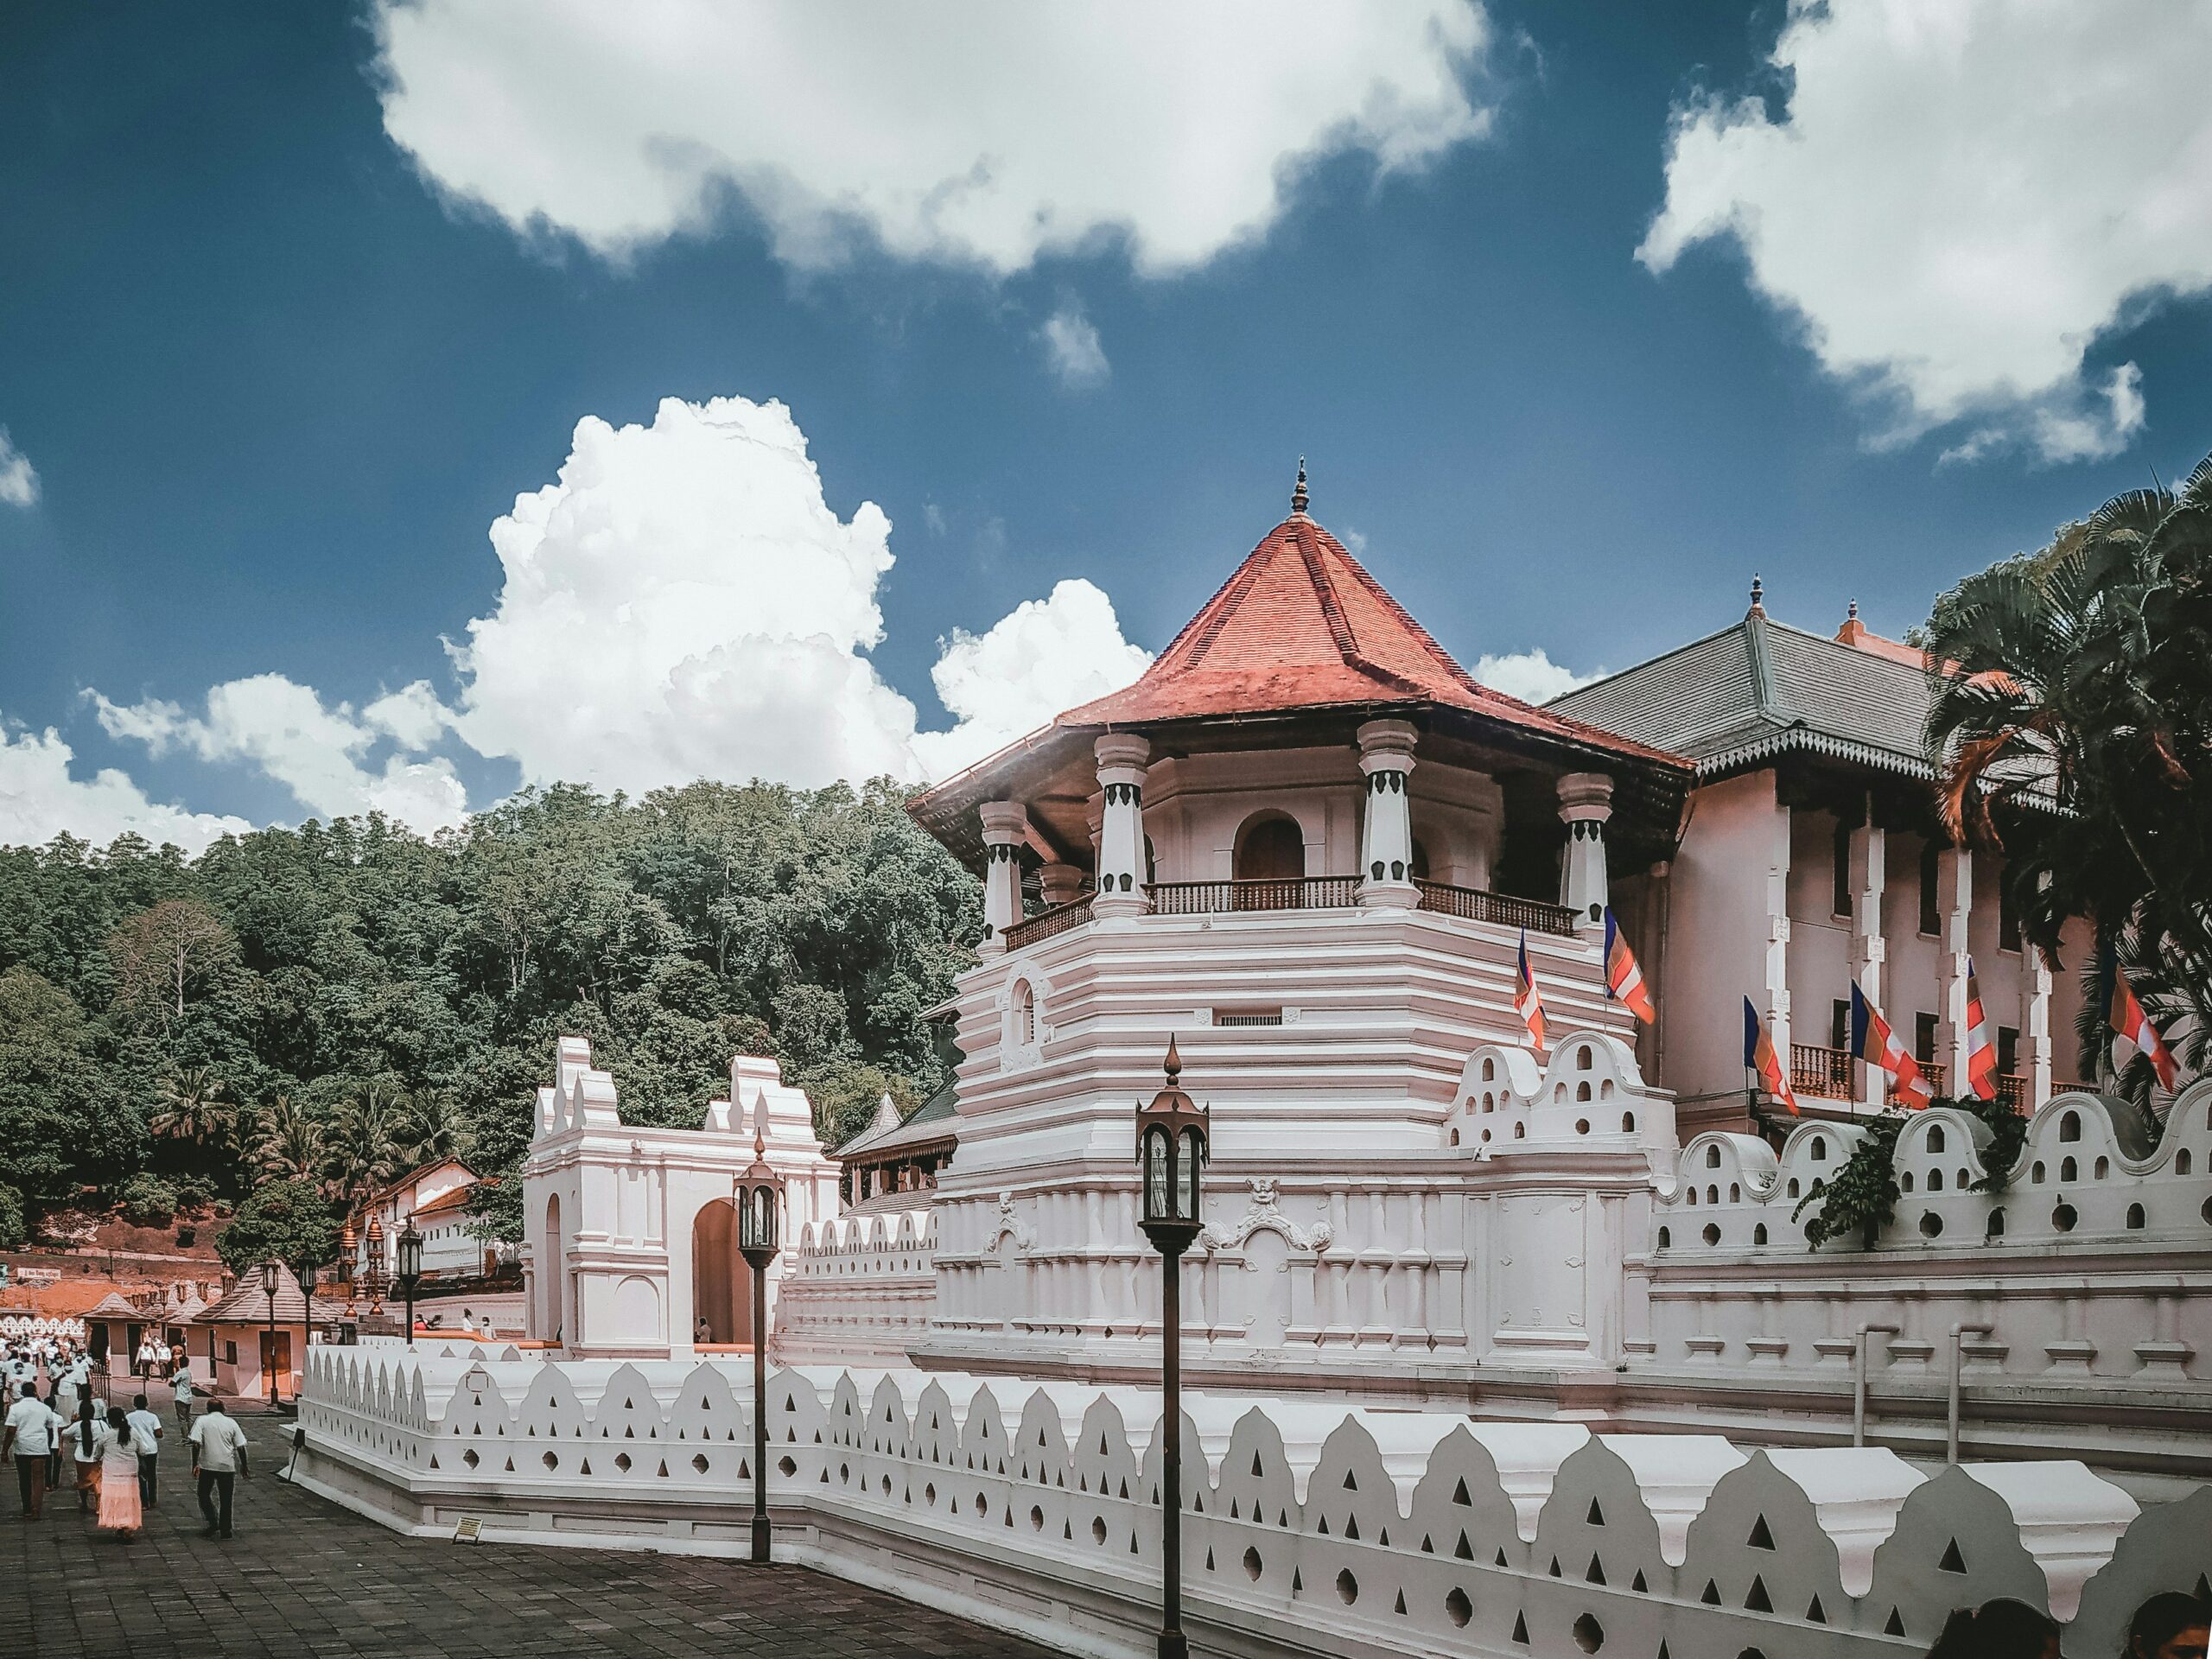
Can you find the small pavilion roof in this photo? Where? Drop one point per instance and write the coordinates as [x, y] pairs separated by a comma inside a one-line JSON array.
[[1301, 639], [247, 1303], [936, 1121]]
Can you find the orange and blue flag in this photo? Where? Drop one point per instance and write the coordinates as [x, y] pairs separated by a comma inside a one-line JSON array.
[[1872, 1041], [1761, 1058], [1624, 976], [1528, 1002]]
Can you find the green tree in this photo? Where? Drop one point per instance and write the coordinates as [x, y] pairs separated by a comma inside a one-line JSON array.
[[284, 1221], [62, 1121], [2076, 736], [190, 1106]]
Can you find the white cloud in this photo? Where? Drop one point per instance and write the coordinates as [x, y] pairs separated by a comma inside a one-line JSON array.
[[984, 134], [40, 800], [1071, 347], [283, 728], [1044, 656], [682, 603], [1530, 676], [1960, 197], [18, 479]]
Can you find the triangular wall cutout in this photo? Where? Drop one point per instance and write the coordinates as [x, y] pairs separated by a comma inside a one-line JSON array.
[[1760, 1538], [1597, 1517], [1758, 1601], [1816, 1614], [1895, 1625], [1952, 1561], [1520, 1629]]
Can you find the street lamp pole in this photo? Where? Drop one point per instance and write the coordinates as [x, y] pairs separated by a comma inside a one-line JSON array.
[[1171, 1152], [270, 1274], [759, 1192], [411, 1271]]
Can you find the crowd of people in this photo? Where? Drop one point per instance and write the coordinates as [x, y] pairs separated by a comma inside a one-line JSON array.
[[57, 1421]]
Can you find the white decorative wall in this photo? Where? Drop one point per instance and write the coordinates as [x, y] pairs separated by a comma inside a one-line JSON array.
[[1311, 1530]]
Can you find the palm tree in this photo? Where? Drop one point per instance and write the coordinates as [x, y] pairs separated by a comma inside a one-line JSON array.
[[2074, 735], [291, 1147], [191, 1106], [367, 1145], [433, 1127]]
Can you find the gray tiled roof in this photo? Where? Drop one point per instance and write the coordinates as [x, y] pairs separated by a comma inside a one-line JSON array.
[[931, 1121], [1760, 689]]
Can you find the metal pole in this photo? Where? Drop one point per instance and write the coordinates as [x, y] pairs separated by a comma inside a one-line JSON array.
[[1173, 1645], [760, 1412], [276, 1381], [1959, 1333], [1859, 1382]]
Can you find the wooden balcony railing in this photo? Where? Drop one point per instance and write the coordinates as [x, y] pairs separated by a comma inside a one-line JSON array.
[[2012, 1091], [1473, 905], [1822, 1071], [1219, 897], [1046, 923], [1939, 1077]]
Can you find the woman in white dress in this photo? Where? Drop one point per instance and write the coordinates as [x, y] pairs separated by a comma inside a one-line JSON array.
[[120, 1450]]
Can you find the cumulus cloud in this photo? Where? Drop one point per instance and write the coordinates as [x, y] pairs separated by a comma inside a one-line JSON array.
[[1044, 656], [18, 479], [1958, 197], [39, 800], [681, 602], [981, 134], [1071, 347], [1530, 676], [317, 752]]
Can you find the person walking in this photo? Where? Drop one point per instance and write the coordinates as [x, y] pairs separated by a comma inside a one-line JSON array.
[[148, 1428], [28, 1437], [120, 1512], [180, 1380], [86, 1444], [217, 1460]]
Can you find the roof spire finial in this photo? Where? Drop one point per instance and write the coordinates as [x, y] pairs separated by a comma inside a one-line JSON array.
[[1851, 616], [1758, 595], [1298, 497]]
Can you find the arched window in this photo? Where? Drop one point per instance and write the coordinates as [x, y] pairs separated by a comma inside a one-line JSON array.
[[1025, 1013]]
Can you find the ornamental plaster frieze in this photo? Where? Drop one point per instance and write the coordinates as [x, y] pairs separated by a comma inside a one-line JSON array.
[[1263, 1213]]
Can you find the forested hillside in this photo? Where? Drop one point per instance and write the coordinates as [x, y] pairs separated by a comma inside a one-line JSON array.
[[333, 1002]]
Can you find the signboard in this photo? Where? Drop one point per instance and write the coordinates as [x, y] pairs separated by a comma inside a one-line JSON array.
[[470, 1531]]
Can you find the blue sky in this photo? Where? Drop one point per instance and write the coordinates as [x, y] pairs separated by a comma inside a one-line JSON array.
[[271, 368]]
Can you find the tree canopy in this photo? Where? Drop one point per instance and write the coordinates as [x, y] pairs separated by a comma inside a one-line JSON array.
[[333, 1003], [2076, 733]]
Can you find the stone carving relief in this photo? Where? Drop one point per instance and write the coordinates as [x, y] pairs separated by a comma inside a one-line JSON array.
[[1025, 1235], [1264, 1215]]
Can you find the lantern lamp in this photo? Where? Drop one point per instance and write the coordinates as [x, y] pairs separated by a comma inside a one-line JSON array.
[[757, 1191], [1172, 1151]]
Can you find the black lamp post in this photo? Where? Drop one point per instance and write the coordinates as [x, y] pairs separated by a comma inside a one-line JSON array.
[[374, 1266], [759, 1192], [270, 1273], [1171, 1159], [411, 1271]]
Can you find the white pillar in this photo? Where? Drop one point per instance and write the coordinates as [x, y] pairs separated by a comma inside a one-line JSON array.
[[1777, 932], [1954, 905], [1005, 827], [1869, 948], [2035, 1024], [1386, 842], [1585, 803], [1059, 884], [1122, 758]]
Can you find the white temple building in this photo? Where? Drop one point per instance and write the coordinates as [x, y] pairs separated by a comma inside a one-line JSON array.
[[1491, 1350]]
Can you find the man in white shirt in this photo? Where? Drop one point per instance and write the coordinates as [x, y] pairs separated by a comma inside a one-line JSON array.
[[218, 1458], [148, 1428], [30, 1438]]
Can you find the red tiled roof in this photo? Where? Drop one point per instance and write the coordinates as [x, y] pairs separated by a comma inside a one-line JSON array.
[[454, 1198], [1302, 625]]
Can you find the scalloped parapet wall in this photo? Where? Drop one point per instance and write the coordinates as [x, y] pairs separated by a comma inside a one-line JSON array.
[[1310, 1529]]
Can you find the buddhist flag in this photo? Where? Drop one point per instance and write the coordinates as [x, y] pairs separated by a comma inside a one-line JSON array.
[[1528, 1002], [1623, 978], [1981, 1056], [1872, 1041], [2131, 1022], [1759, 1057]]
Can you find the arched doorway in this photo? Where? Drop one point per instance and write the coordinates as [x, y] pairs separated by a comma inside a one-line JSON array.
[[1270, 854], [553, 1277], [721, 1284]]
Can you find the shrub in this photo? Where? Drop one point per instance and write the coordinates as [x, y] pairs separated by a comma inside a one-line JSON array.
[[148, 1201], [1862, 1195]]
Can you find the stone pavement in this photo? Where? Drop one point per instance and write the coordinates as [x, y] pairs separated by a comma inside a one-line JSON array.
[[302, 1577]]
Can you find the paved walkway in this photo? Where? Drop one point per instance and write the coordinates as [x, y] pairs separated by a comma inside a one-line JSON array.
[[302, 1577]]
